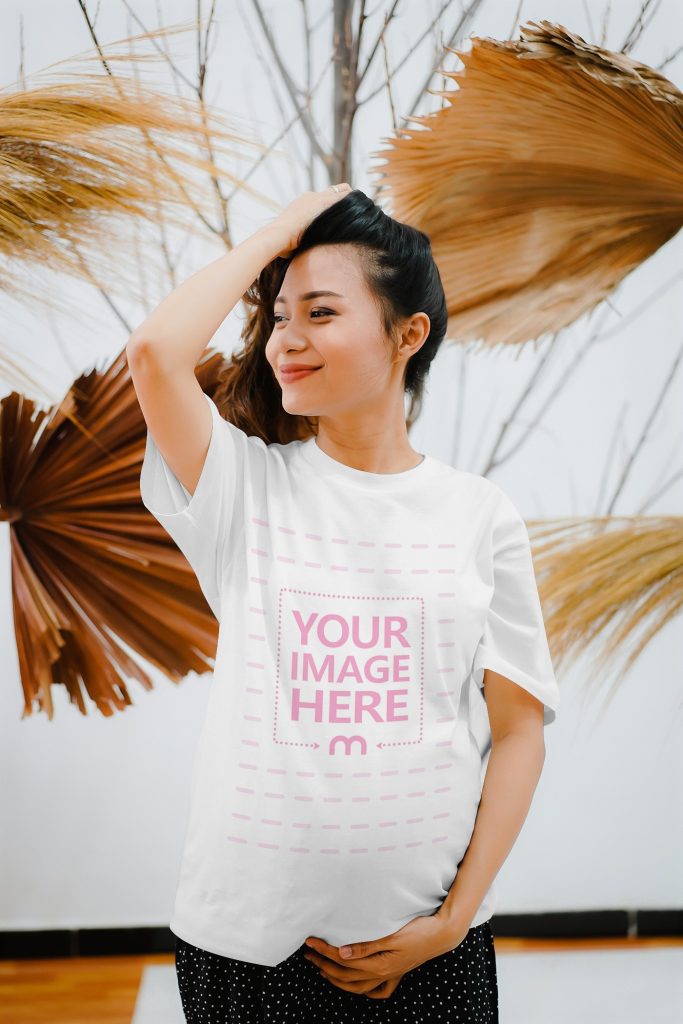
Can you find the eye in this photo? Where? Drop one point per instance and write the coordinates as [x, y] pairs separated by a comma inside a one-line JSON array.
[[278, 317]]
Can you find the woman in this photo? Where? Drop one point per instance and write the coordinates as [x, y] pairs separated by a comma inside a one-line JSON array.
[[368, 597]]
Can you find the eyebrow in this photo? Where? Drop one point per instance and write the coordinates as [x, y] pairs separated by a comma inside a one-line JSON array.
[[309, 295]]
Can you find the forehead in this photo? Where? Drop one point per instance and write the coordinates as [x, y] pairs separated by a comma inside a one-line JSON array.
[[324, 268]]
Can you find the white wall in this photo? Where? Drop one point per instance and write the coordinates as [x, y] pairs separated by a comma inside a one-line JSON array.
[[92, 810]]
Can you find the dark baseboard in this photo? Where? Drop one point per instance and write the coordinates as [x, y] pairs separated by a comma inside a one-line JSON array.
[[579, 924]]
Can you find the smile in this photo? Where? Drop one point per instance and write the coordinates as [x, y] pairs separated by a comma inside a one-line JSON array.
[[295, 374]]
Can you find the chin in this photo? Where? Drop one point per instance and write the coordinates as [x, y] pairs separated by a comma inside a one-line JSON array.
[[299, 409]]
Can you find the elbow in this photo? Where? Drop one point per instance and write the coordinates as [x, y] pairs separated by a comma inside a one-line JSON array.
[[139, 352]]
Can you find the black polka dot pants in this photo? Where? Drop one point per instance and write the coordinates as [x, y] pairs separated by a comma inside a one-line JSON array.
[[458, 987]]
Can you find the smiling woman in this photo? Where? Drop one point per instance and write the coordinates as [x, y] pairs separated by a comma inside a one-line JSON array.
[[364, 591]]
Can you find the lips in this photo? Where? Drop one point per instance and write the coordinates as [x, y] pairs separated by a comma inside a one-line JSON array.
[[295, 374]]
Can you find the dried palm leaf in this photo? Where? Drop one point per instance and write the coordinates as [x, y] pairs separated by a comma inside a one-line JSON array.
[[608, 577], [555, 169], [79, 158], [93, 573]]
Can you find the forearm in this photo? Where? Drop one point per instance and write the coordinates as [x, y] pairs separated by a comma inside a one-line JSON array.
[[512, 774], [183, 324]]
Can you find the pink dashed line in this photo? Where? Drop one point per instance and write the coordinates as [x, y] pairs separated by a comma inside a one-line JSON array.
[[257, 611], [390, 796], [330, 851], [286, 529], [313, 536], [364, 824], [251, 767], [302, 824], [270, 821], [244, 789], [418, 842], [413, 821], [359, 799], [444, 814], [285, 558], [419, 572], [367, 543], [385, 849], [236, 839], [419, 545], [244, 817], [298, 849], [388, 824], [412, 771], [259, 551], [259, 522], [255, 664], [362, 849], [268, 846], [313, 565], [275, 796], [422, 793], [339, 540], [440, 839]]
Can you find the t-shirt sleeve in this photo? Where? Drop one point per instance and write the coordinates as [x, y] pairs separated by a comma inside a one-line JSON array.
[[202, 524], [514, 642]]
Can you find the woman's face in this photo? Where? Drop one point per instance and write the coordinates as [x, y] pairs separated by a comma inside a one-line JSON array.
[[341, 334]]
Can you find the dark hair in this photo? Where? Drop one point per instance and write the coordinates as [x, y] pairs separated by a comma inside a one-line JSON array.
[[399, 269]]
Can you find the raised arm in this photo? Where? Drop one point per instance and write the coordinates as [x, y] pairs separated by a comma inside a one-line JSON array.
[[164, 350]]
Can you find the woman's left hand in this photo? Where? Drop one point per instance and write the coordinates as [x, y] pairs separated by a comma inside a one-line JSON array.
[[375, 968]]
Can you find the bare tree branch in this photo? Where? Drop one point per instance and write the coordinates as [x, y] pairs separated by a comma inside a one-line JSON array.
[[303, 114], [656, 407], [640, 24]]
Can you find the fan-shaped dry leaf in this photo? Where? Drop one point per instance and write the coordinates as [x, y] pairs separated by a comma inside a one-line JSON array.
[[616, 579], [555, 169], [79, 158], [92, 570]]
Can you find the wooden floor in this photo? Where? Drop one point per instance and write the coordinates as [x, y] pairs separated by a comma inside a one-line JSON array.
[[103, 990]]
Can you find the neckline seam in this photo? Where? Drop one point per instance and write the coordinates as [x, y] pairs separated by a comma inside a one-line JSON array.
[[317, 458]]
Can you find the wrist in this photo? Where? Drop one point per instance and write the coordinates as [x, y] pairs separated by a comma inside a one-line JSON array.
[[455, 918], [276, 237]]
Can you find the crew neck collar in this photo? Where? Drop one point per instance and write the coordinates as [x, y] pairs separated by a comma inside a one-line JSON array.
[[323, 462]]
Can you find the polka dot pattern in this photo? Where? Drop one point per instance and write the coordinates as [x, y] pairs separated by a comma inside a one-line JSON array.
[[458, 987]]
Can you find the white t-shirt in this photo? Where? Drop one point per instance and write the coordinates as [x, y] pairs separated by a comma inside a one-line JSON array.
[[340, 764]]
